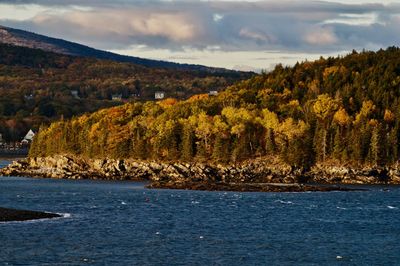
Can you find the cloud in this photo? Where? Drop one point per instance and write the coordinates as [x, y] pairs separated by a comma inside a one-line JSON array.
[[321, 36], [286, 25], [256, 35]]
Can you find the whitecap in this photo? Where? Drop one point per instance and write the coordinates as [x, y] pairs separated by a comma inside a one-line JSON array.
[[158, 233], [284, 202], [123, 202], [341, 208], [195, 202], [391, 207], [65, 215]]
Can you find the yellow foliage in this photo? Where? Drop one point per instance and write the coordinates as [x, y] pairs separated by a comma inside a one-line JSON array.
[[367, 108], [292, 129], [220, 127], [269, 119], [333, 70], [341, 117], [389, 116], [237, 115], [294, 103], [373, 122], [325, 106]]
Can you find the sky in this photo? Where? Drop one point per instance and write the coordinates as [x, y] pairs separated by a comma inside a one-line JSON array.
[[245, 35]]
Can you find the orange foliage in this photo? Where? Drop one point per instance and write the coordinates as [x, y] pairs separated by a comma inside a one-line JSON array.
[[168, 102], [197, 97]]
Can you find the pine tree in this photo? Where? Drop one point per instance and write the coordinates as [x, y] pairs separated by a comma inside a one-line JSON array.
[[375, 146], [187, 142], [221, 150], [338, 146]]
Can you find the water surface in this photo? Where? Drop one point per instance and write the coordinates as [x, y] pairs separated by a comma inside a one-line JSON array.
[[122, 223]]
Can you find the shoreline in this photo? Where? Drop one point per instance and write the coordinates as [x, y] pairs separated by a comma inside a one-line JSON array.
[[15, 215], [261, 175]]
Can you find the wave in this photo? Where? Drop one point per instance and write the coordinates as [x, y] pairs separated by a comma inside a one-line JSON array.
[[283, 202], [64, 215]]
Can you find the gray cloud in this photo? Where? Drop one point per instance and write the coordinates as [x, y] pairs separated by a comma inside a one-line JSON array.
[[301, 26]]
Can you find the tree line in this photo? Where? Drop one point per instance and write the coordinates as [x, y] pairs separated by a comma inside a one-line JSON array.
[[37, 86], [342, 109]]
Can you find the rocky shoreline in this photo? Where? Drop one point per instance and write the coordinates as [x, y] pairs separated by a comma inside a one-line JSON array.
[[246, 176], [13, 215]]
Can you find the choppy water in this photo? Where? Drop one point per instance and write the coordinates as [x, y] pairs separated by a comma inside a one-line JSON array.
[[121, 223]]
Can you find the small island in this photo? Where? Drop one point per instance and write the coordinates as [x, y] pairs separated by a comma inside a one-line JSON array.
[[13, 215], [321, 122]]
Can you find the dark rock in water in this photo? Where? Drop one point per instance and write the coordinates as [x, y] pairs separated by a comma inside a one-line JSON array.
[[8, 215], [248, 187]]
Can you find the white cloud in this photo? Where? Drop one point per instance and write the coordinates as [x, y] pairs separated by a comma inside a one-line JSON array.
[[321, 36]]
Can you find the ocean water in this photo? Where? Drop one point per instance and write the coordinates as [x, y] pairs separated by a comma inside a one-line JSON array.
[[122, 223]]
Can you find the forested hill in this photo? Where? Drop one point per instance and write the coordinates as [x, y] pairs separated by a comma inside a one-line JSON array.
[[32, 40], [38, 86], [332, 110]]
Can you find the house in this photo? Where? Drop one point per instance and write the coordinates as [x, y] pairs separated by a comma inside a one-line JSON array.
[[28, 137], [159, 95], [213, 93], [75, 94], [116, 97]]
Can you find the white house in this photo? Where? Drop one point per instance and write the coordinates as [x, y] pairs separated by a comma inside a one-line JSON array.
[[28, 137], [159, 95], [213, 93], [116, 97], [75, 94]]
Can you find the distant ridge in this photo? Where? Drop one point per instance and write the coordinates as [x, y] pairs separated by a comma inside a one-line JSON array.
[[33, 40]]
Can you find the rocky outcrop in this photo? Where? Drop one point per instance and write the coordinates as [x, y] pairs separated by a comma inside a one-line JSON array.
[[330, 174], [8, 215], [192, 175], [77, 168]]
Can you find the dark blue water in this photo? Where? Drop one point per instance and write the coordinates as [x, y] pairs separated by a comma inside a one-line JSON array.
[[122, 223]]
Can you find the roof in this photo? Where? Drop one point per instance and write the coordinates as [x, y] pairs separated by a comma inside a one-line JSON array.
[[29, 135]]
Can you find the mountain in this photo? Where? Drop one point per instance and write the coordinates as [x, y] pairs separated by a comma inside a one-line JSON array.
[[332, 111], [37, 86], [32, 40]]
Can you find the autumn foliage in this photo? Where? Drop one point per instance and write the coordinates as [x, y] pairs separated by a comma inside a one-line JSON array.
[[343, 109]]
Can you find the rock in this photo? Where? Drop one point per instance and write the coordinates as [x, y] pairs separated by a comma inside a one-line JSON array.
[[7, 215], [249, 172]]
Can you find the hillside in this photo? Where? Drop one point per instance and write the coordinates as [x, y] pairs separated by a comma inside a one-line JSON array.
[[32, 40], [332, 110], [38, 86]]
